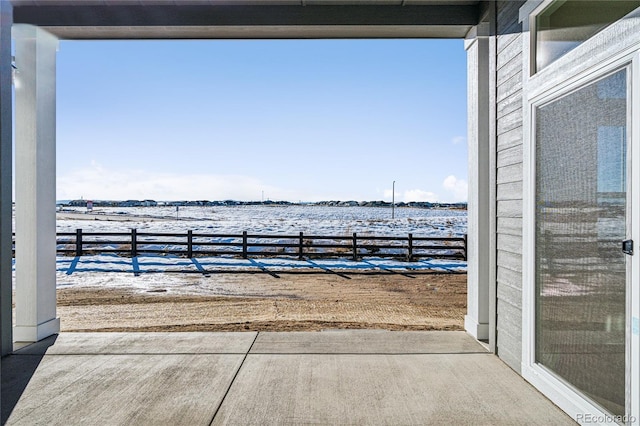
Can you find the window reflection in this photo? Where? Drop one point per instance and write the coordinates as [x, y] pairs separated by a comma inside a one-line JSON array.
[[564, 25], [581, 167]]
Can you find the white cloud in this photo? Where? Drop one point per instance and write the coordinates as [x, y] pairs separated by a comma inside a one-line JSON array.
[[457, 188], [412, 195], [387, 194], [98, 183], [419, 195], [458, 140]]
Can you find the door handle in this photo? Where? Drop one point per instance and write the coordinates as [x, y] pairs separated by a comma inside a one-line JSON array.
[[627, 247]]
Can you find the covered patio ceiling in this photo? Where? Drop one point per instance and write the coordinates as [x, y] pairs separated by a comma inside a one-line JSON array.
[[211, 19]]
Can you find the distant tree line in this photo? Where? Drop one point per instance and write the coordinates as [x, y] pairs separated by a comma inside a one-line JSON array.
[[207, 203], [421, 204]]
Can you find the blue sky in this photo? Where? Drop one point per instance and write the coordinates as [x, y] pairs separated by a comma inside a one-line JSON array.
[[291, 119]]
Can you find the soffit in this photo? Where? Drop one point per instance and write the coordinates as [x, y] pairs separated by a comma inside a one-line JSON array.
[[204, 19]]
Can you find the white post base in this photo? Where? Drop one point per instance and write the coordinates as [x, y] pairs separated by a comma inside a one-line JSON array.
[[37, 333], [477, 330]]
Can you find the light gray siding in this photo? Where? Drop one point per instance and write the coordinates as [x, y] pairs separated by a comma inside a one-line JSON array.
[[509, 163]]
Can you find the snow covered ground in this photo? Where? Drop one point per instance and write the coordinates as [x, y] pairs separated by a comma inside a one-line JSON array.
[[143, 271], [198, 276], [319, 220]]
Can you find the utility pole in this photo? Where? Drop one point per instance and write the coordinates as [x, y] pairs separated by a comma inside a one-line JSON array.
[[393, 200]]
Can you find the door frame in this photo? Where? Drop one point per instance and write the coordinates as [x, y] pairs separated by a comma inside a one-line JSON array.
[[614, 48]]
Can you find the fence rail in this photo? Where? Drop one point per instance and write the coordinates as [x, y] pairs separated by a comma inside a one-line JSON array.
[[192, 244]]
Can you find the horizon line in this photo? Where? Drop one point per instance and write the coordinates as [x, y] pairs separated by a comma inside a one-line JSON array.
[[268, 201]]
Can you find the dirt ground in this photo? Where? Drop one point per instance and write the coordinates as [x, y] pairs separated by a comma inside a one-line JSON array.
[[260, 302]]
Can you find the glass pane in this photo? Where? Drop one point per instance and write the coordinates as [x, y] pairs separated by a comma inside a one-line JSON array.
[[565, 24], [581, 167]]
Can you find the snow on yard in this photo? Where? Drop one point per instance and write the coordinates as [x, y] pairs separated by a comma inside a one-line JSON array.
[[318, 220], [198, 276], [143, 271], [209, 265]]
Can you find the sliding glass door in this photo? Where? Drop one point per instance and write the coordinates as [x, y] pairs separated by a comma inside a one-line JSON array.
[[581, 215]]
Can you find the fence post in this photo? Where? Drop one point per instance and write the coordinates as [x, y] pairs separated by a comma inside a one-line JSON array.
[[410, 248], [134, 242], [355, 247], [189, 243], [301, 247], [78, 242], [465, 247], [244, 244]]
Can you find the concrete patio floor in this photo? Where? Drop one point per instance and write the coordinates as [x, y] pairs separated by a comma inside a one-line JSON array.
[[329, 377]]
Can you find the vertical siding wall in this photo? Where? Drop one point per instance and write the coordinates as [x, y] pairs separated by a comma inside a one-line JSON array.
[[509, 116]]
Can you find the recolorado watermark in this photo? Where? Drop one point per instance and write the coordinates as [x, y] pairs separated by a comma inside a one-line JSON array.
[[604, 418]]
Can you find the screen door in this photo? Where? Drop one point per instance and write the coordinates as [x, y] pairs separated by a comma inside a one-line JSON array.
[[581, 222]]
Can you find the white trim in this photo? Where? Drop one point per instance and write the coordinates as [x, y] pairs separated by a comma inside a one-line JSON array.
[[493, 175], [634, 291], [614, 48], [564, 395], [567, 398], [528, 224], [527, 16], [531, 7]]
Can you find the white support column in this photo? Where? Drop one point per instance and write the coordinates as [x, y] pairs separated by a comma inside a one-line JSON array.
[[476, 322], [35, 296], [6, 180]]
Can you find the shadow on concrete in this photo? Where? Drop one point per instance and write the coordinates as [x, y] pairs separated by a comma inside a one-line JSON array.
[[17, 370]]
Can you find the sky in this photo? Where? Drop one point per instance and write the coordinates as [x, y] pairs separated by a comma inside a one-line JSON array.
[[294, 120]]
